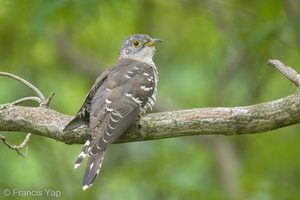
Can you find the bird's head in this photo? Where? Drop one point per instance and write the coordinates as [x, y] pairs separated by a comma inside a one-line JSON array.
[[139, 47]]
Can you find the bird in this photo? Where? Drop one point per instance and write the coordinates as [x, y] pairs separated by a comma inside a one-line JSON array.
[[119, 95]]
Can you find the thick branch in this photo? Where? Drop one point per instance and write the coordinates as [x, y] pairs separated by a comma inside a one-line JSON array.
[[222, 120]]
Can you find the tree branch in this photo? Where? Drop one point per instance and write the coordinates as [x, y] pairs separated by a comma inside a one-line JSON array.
[[41, 96], [17, 147], [201, 121], [41, 100], [287, 71]]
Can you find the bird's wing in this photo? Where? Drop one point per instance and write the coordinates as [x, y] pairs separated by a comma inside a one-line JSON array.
[[83, 115]]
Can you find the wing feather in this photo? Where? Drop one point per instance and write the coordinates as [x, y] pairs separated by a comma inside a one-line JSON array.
[[83, 115]]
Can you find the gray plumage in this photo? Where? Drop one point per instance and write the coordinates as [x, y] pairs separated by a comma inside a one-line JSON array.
[[119, 94]]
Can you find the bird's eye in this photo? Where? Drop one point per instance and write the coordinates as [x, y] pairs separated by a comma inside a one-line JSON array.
[[136, 43]]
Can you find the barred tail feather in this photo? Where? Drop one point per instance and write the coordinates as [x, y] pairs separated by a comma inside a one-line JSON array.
[[83, 153], [92, 169]]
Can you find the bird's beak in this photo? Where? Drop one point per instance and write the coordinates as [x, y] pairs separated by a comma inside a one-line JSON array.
[[153, 42]]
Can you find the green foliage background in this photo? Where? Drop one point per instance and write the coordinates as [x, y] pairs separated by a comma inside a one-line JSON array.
[[214, 54]]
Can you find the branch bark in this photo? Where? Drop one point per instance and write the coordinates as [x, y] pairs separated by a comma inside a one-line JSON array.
[[201, 121]]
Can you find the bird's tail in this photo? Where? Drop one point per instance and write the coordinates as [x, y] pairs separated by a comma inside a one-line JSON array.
[[93, 164], [92, 169], [83, 152]]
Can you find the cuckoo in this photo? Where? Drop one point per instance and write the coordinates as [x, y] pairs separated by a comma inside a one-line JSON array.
[[116, 99]]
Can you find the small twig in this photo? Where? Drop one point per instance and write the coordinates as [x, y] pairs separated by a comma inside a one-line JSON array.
[[41, 96], [47, 102], [287, 71], [37, 99], [41, 99], [17, 147]]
